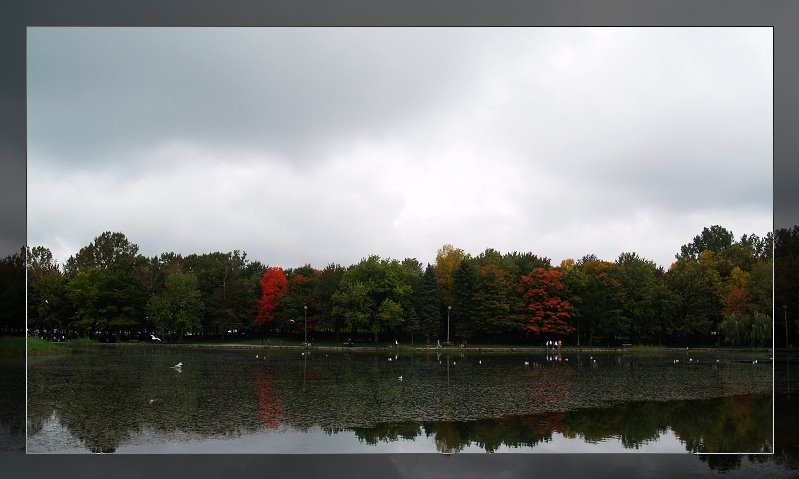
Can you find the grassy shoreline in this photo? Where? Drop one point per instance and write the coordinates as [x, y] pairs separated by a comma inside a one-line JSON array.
[[403, 348], [18, 346], [15, 346], [11, 346]]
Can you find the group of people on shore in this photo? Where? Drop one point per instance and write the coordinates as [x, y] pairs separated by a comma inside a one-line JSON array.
[[555, 344]]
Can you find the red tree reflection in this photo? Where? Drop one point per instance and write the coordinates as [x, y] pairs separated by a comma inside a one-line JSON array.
[[270, 411], [550, 391]]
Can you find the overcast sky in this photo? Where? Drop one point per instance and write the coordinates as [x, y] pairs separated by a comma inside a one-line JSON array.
[[321, 145]]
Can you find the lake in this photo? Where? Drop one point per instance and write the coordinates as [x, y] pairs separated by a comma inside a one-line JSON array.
[[130, 399]]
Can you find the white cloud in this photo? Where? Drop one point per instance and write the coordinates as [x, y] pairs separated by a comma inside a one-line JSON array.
[[327, 145]]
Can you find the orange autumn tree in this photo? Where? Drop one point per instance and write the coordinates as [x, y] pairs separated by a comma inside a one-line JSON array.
[[547, 312], [274, 285], [737, 300]]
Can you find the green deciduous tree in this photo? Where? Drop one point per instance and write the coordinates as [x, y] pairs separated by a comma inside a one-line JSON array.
[[761, 329], [390, 315], [47, 308], [736, 329], [364, 291], [662, 301], [178, 308], [353, 303], [760, 286], [574, 283], [637, 277], [464, 320], [250, 277], [412, 324], [300, 294], [39, 260], [325, 287], [107, 251], [428, 301], [602, 299], [492, 299], [526, 262], [697, 304], [715, 239], [47, 304], [105, 300]]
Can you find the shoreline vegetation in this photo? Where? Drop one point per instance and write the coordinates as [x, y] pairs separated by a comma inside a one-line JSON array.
[[15, 346], [469, 349]]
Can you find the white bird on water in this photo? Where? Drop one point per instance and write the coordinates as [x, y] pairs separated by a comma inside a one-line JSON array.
[[527, 363], [178, 366], [152, 336], [400, 378]]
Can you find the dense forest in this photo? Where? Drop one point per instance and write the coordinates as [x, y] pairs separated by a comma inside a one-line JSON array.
[[717, 291]]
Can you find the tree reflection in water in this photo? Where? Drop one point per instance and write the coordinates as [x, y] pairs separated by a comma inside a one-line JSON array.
[[270, 410], [634, 424], [493, 403]]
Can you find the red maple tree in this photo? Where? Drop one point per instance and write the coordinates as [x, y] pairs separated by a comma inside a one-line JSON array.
[[547, 312], [274, 285]]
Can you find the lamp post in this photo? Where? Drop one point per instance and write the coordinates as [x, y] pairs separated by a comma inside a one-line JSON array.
[[305, 322], [785, 310], [449, 308]]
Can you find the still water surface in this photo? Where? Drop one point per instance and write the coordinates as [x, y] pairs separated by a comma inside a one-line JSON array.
[[131, 400]]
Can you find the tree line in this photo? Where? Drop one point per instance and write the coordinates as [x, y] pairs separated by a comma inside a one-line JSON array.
[[717, 291]]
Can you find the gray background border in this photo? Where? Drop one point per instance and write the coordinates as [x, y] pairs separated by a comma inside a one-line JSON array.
[[783, 15]]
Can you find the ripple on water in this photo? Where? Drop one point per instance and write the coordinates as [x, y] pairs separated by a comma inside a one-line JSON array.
[[225, 394]]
